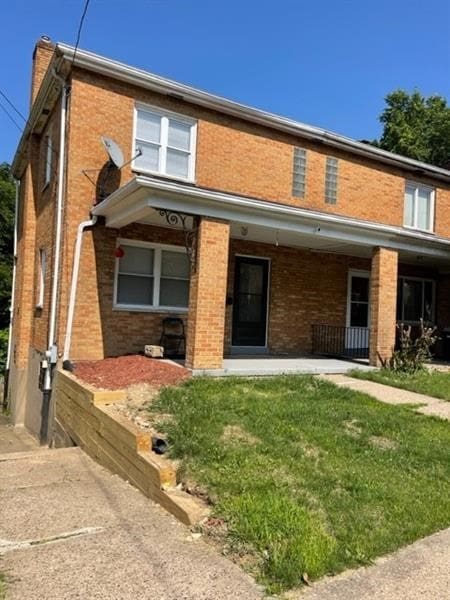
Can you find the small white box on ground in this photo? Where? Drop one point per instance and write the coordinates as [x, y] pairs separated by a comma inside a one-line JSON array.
[[154, 351]]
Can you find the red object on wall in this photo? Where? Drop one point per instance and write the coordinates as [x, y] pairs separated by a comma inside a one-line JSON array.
[[118, 253]]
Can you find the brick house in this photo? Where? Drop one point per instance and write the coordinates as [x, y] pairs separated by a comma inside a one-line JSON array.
[[263, 234]]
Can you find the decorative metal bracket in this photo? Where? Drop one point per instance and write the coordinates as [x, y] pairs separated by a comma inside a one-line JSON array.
[[174, 219]]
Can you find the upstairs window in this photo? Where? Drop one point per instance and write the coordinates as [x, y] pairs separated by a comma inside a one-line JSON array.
[[167, 142], [41, 278], [331, 179], [419, 207], [48, 158], [151, 277]]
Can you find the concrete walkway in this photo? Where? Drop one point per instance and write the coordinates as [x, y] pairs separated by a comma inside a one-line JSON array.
[[69, 529], [14, 439], [420, 571], [392, 395]]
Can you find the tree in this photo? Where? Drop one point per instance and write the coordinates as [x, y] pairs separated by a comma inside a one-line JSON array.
[[417, 126], [7, 195]]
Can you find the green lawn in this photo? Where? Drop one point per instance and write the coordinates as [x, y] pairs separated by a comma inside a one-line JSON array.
[[430, 383], [308, 477]]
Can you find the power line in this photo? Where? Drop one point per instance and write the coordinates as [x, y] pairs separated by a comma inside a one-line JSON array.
[[11, 118], [80, 27], [12, 105]]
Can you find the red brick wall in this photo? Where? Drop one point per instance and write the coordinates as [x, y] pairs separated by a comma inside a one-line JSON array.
[[206, 322], [243, 158], [383, 304], [305, 288], [233, 156]]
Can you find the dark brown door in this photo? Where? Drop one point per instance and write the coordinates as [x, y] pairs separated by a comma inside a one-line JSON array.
[[250, 301]]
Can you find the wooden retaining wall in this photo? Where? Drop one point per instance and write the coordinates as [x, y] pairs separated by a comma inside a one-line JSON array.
[[119, 445]]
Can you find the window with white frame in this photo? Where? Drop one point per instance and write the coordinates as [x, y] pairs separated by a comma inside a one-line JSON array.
[[167, 143], [151, 276], [41, 277], [419, 207], [48, 157], [415, 300]]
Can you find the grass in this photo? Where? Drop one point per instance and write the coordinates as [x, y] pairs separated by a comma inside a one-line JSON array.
[[308, 477], [430, 383]]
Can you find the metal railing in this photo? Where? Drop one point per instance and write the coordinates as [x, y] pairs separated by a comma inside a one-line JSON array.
[[335, 340]]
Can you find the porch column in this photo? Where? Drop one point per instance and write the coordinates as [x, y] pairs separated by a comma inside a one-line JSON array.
[[383, 304], [207, 297]]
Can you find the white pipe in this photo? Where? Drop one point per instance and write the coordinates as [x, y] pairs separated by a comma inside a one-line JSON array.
[[13, 283], [73, 285], [50, 355]]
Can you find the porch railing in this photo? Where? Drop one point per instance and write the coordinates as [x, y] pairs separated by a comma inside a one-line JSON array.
[[335, 340]]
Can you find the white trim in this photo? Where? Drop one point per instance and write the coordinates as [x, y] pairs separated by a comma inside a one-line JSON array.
[[156, 276], [355, 273], [266, 337], [141, 195], [163, 144]]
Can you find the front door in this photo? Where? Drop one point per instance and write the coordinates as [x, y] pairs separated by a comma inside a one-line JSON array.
[[358, 311], [250, 301]]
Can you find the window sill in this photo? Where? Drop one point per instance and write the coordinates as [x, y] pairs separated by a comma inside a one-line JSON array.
[[163, 175], [150, 309], [410, 228]]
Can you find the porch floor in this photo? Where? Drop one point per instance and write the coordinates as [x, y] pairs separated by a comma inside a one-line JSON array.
[[281, 365]]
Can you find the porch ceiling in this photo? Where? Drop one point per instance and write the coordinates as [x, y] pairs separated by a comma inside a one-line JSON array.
[[141, 199]]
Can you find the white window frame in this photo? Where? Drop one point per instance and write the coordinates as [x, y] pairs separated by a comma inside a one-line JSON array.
[[155, 307], [48, 155], [427, 188], [433, 301], [41, 277], [165, 116]]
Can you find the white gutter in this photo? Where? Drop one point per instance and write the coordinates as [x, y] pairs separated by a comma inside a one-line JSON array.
[[13, 284], [162, 85], [73, 286], [51, 354]]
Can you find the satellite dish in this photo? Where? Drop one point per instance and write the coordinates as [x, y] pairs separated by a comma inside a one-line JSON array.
[[113, 150]]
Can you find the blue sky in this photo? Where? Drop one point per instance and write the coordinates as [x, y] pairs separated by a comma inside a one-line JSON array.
[[327, 63]]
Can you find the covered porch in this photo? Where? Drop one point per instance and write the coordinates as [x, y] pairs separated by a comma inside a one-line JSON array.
[[276, 283]]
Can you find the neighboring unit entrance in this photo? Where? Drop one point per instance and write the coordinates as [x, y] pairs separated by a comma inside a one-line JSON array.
[[358, 311], [251, 277]]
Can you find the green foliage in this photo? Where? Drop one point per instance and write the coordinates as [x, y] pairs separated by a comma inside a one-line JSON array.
[[3, 349], [416, 126], [413, 352], [7, 195], [299, 471]]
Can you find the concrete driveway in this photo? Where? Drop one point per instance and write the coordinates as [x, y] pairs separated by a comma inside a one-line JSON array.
[[69, 529]]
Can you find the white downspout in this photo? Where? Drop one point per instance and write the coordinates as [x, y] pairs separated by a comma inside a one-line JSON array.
[[73, 289], [13, 292], [51, 355]]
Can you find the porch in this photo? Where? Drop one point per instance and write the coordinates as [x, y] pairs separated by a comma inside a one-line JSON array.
[[261, 276], [260, 366]]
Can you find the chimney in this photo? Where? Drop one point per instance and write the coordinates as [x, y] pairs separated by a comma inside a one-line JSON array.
[[43, 52]]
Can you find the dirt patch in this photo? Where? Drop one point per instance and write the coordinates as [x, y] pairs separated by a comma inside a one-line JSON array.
[[237, 434], [123, 371], [383, 443], [352, 428]]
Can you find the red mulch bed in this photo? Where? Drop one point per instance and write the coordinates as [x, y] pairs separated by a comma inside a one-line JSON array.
[[119, 373]]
